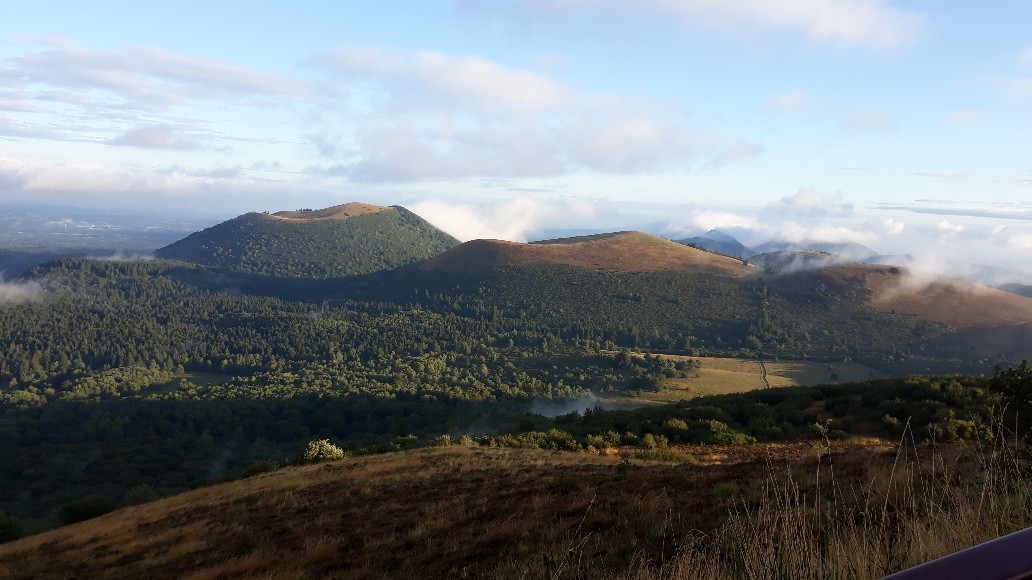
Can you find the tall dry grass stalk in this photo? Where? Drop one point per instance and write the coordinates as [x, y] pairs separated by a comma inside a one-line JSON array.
[[920, 508]]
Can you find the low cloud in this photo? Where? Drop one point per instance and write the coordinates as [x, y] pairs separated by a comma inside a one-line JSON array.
[[701, 221], [892, 226], [515, 220], [949, 230], [18, 292], [812, 202], [794, 233]]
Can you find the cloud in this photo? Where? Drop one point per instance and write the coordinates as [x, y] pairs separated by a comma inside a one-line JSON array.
[[942, 176], [85, 180], [156, 137], [949, 230], [811, 202], [1005, 211], [892, 226], [461, 80], [869, 23], [144, 74], [870, 120], [790, 102], [794, 233], [737, 152], [426, 116], [127, 96], [514, 220], [717, 220]]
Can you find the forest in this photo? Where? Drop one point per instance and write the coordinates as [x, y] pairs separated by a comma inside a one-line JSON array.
[[131, 380]]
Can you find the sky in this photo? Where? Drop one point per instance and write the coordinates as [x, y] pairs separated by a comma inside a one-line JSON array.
[[901, 125]]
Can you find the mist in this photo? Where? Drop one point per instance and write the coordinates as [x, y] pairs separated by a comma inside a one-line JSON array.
[[19, 292]]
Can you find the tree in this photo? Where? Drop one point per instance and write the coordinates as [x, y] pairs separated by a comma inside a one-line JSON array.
[[319, 450], [1014, 383]]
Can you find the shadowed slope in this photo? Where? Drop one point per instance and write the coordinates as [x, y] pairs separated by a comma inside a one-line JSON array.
[[622, 252], [445, 512]]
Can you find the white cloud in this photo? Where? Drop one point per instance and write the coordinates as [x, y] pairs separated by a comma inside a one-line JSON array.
[[794, 233], [892, 226], [84, 180], [812, 202], [432, 116], [871, 23], [465, 80], [515, 220], [1021, 241], [949, 230]]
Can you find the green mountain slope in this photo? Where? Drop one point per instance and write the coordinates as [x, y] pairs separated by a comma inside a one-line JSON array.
[[344, 240]]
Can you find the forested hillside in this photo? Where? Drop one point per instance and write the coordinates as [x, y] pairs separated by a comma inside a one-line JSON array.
[[314, 244]]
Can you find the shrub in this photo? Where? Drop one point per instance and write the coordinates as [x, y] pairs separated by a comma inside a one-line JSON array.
[[319, 450], [10, 529], [85, 508]]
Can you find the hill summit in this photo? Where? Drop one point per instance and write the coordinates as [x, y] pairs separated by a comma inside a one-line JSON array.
[[343, 240], [620, 251]]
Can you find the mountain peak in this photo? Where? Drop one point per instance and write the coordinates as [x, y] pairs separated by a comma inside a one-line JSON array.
[[340, 212]]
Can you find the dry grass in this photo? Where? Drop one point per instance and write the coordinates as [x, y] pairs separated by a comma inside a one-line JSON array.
[[719, 376], [756, 510], [624, 252], [918, 509]]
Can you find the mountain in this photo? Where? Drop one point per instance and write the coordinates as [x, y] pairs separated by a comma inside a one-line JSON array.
[[620, 252], [850, 251], [719, 242], [343, 240], [785, 261]]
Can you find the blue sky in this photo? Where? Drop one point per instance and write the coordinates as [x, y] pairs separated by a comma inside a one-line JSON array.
[[902, 125]]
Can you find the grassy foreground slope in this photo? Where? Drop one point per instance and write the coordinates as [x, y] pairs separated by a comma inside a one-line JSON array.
[[503, 513]]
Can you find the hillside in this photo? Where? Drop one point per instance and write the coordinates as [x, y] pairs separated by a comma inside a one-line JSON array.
[[453, 511], [621, 252], [982, 322], [343, 240]]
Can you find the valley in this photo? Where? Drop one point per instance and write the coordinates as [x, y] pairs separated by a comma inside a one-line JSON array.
[[614, 373]]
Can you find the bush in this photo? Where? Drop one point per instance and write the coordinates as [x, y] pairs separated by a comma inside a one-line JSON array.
[[85, 508], [319, 450], [10, 529]]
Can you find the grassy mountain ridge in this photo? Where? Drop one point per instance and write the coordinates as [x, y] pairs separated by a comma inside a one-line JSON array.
[[620, 251], [340, 241]]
